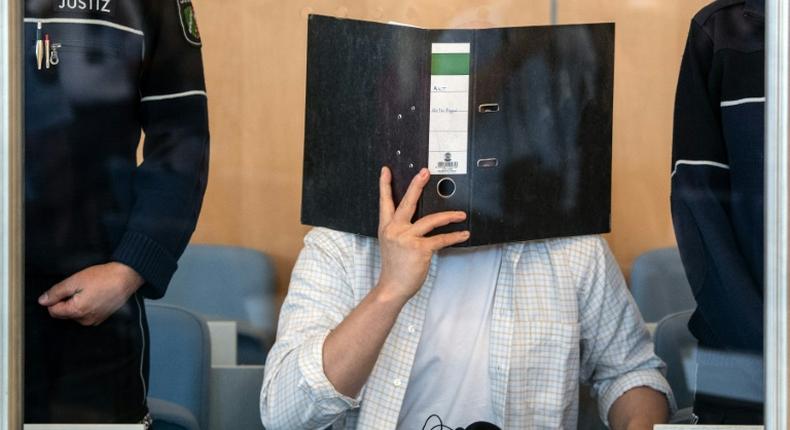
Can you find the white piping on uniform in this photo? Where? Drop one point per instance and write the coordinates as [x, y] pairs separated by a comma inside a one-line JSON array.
[[142, 350], [85, 21], [173, 96], [697, 163], [728, 103]]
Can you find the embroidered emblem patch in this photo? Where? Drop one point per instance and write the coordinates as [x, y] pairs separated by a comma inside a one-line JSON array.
[[188, 22]]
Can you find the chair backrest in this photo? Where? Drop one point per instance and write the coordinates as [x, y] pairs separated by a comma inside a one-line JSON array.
[[225, 282], [659, 284], [180, 363], [676, 346], [588, 410]]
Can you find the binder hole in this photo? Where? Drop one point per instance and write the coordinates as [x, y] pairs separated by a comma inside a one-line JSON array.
[[487, 162], [446, 188], [489, 107]]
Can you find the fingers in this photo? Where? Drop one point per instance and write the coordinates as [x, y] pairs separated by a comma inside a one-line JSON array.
[[442, 241], [430, 222], [61, 291], [72, 310], [386, 205], [408, 205], [65, 310]]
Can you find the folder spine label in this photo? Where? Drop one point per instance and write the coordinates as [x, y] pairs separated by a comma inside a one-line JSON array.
[[448, 137]]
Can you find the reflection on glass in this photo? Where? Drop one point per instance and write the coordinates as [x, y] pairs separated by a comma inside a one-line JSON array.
[[501, 333], [102, 232], [717, 205]]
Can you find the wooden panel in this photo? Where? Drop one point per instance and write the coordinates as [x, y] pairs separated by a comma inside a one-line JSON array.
[[254, 54]]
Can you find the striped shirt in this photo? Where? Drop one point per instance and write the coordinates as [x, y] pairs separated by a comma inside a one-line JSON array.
[[562, 315]]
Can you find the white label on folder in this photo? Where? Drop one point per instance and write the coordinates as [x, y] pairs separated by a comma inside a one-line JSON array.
[[448, 136]]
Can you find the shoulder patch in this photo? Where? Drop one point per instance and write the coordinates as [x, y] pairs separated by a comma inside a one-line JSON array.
[[186, 14]]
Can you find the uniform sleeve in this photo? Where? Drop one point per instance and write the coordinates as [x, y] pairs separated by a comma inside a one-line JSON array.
[[296, 392], [727, 297], [169, 184], [617, 352]]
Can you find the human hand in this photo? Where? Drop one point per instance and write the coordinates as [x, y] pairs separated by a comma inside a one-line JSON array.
[[405, 251], [91, 295]]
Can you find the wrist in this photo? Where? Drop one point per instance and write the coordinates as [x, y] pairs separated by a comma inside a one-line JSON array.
[[389, 295], [132, 280]]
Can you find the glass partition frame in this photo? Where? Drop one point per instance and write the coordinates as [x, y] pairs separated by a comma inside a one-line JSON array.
[[11, 292], [777, 230]]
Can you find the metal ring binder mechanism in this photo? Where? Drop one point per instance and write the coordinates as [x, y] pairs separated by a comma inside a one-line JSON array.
[[514, 124]]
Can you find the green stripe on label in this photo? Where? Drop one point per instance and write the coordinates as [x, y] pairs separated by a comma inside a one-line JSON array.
[[449, 64]]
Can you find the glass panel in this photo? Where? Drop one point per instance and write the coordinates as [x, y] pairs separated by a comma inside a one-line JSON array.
[[556, 141], [712, 131]]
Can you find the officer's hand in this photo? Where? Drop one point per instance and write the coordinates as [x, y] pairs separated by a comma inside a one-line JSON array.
[[405, 251], [92, 295]]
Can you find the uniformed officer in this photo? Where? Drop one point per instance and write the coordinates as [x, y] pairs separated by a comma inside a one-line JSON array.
[[102, 232]]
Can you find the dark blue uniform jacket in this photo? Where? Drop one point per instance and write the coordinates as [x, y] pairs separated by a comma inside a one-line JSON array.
[[116, 68], [717, 179]]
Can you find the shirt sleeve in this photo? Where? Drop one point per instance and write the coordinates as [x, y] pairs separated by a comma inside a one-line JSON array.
[[728, 298], [617, 353], [169, 185], [296, 392]]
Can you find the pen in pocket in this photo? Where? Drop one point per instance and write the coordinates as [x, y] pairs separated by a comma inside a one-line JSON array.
[[39, 46]]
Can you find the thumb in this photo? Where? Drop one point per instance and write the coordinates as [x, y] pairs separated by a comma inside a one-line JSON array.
[[57, 293]]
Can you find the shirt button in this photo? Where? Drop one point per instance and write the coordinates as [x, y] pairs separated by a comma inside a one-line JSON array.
[[397, 382], [412, 329]]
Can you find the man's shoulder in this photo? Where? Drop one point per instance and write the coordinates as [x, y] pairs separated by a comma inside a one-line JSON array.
[[573, 245], [575, 254]]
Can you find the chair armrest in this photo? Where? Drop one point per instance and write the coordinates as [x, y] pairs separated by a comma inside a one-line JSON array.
[[170, 416], [683, 416], [235, 396], [253, 344]]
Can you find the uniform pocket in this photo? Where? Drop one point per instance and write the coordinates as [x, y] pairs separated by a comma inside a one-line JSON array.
[[95, 66], [97, 72], [90, 51]]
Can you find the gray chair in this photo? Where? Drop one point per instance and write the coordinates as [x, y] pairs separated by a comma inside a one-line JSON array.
[[180, 350], [659, 284], [229, 283], [677, 347], [235, 397], [588, 410]]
